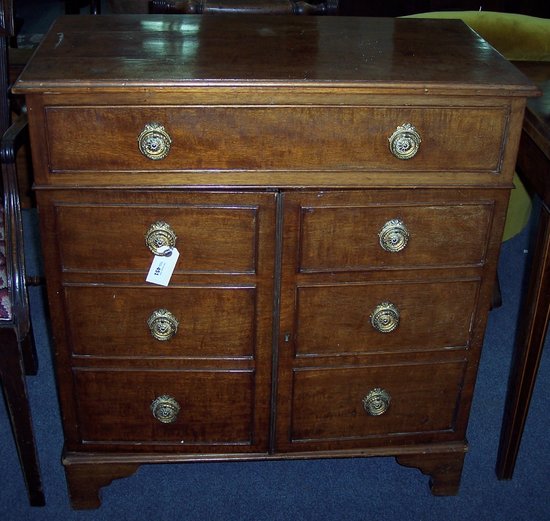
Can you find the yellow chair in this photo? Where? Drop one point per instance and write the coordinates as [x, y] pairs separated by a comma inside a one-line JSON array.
[[518, 38]]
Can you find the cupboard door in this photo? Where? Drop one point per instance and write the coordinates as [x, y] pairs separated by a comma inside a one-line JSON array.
[[361, 316]]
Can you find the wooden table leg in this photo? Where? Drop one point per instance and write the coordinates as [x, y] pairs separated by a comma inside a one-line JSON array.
[[12, 378], [531, 333]]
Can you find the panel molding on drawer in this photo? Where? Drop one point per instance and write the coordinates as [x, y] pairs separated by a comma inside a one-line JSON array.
[[335, 319], [245, 137], [216, 407], [111, 320], [327, 404], [211, 238], [346, 237]]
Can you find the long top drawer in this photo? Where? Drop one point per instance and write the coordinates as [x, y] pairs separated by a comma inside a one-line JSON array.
[[275, 138]]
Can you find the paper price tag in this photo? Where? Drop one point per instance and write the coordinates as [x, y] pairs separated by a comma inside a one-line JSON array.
[[162, 267]]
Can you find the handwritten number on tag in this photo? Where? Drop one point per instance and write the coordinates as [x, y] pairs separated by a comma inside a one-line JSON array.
[[163, 266]]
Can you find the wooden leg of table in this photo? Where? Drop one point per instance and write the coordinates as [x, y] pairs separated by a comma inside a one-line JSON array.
[[84, 481], [445, 470], [29, 355], [12, 377], [531, 333]]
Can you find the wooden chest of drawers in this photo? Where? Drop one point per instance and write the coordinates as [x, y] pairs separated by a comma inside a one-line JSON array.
[[336, 189]]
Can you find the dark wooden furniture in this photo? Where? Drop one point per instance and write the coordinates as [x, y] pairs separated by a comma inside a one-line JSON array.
[[221, 6], [6, 32], [75, 6], [297, 7], [338, 204], [534, 167], [349, 7], [17, 350]]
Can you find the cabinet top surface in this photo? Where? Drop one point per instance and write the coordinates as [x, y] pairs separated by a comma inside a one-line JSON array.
[[134, 52]]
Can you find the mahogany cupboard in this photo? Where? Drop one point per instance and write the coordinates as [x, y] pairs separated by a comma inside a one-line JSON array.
[[336, 189]]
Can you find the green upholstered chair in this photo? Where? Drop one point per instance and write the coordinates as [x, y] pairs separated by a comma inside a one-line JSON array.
[[518, 38], [515, 36]]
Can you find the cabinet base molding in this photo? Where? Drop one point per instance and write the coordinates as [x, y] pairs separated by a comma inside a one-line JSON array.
[[87, 474]]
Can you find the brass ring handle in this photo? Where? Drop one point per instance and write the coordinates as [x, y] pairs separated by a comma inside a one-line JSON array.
[[393, 236], [405, 142], [376, 402], [385, 317], [159, 237], [163, 324], [165, 409], [154, 142]]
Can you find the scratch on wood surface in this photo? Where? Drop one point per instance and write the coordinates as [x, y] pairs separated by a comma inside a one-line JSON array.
[[60, 37]]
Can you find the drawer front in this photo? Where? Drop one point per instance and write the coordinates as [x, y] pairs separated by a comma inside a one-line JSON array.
[[210, 238], [176, 321], [349, 237], [215, 407], [275, 137], [331, 404], [400, 316]]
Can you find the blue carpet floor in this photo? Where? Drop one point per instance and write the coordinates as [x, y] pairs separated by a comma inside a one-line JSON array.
[[354, 489]]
